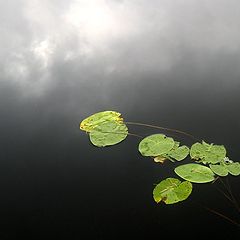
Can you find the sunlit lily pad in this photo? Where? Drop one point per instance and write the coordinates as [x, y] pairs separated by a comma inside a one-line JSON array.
[[89, 123], [108, 133], [172, 190], [207, 153], [155, 145], [194, 172]]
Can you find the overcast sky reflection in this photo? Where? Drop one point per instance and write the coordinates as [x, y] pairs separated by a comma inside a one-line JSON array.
[[111, 40]]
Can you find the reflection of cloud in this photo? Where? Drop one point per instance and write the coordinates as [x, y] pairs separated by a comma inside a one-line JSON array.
[[17, 70], [110, 36], [43, 51], [92, 18]]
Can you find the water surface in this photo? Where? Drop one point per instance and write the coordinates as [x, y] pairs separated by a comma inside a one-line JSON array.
[[170, 63]]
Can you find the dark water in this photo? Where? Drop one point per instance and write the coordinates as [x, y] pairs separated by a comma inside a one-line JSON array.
[[54, 184]]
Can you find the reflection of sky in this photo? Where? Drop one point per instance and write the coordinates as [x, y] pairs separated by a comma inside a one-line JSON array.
[[112, 38]]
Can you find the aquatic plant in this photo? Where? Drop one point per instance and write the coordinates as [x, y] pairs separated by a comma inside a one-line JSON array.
[[209, 161]]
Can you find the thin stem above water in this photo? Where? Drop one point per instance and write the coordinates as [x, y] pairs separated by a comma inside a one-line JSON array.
[[163, 128]]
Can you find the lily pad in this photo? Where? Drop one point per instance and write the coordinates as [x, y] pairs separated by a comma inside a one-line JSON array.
[[155, 145], [218, 169], [233, 168], [91, 122], [207, 153], [108, 133], [179, 153], [194, 172], [172, 190], [197, 151]]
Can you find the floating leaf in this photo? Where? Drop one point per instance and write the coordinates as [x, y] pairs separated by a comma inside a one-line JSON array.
[[179, 153], [172, 190], [218, 169], [89, 123], [207, 153], [197, 151], [108, 133], [194, 172], [155, 145], [215, 154], [166, 147], [233, 168]]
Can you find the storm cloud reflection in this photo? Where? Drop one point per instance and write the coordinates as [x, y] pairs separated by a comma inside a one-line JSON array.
[[117, 40]]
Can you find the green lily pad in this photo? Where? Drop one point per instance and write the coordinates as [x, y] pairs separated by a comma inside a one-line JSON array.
[[155, 145], [207, 153], [218, 169], [233, 168], [197, 151], [172, 190], [179, 153], [194, 172], [108, 133], [91, 122]]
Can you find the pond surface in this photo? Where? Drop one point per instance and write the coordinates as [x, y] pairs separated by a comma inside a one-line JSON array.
[[173, 64]]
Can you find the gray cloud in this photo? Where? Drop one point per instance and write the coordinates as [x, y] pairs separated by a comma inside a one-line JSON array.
[[98, 42]]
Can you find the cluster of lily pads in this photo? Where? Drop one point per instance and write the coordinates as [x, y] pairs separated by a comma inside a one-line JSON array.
[[209, 160]]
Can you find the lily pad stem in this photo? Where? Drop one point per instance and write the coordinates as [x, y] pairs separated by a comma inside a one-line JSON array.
[[163, 128]]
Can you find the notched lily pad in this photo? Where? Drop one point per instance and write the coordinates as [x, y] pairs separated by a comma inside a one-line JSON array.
[[105, 128], [161, 148], [155, 145], [207, 153], [172, 190], [194, 172]]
